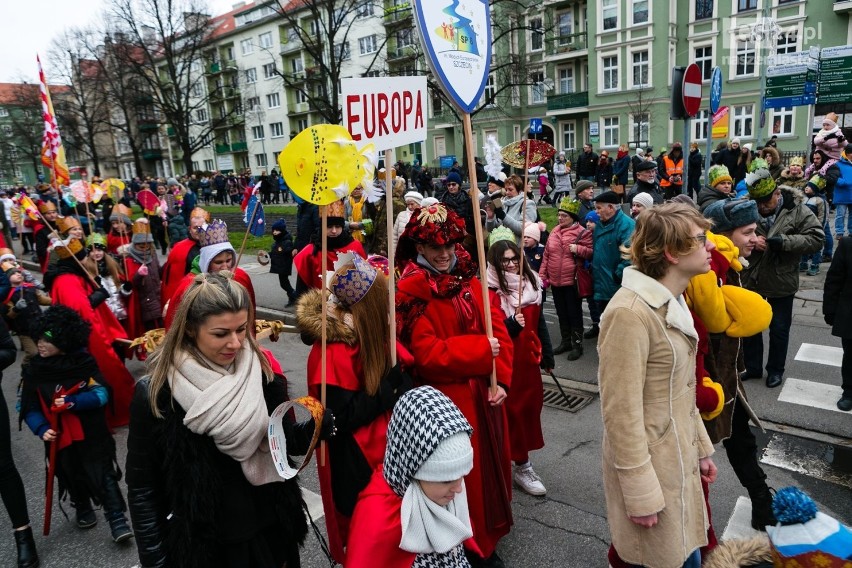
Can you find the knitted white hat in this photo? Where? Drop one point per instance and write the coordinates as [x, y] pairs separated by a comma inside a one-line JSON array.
[[209, 252], [644, 199], [451, 460]]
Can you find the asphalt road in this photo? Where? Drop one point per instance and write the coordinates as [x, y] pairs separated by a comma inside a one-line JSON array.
[[804, 445]]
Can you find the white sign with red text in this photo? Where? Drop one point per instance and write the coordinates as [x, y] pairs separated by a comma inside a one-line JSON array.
[[387, 111]]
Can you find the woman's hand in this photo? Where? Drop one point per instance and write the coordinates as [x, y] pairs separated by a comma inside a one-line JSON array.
[[519, 317], [497, 397], [573, 248], [49, 436], [707, 469], [647, 521], [495, 346], [143, 270]]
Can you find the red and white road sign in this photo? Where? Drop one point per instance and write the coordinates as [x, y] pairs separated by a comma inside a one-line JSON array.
[[692, 89]]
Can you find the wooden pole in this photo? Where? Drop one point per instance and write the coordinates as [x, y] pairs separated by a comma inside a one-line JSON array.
[[522, 257], [391, 269], [248, 228], [480, 244], [55, 233], [323, 315]]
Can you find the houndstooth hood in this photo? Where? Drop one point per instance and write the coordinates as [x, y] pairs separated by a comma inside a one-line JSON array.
[[422, 419]]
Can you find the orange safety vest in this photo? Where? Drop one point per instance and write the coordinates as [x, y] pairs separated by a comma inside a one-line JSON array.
[[671, 169]]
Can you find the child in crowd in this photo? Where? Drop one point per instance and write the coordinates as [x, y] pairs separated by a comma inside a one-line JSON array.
[[62, 401], [108, 274], [414, 512], [120, 224], [21, 306], [815, 194], [281, 256], [145, 307], [533, 250]]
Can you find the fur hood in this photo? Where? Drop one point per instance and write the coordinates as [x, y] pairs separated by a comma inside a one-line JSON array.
[[793, 196], [734, 553], [656, 295], [770, 151], [309, 320]]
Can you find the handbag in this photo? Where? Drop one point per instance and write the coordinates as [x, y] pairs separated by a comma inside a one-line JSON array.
[[582, 274]]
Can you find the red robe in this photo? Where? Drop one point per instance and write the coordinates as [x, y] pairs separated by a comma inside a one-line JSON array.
[[344, 370], [526, 402], [73, 291], [175, 267], [240, 276], [377, 529], [445, 333], [309, 265]]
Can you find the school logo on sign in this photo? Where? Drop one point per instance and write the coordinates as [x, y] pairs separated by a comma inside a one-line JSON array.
[[456, 37]]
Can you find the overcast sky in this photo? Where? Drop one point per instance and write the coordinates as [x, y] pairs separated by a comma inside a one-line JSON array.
[[30, 26]]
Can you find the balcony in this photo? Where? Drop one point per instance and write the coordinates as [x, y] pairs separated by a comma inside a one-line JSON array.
[[397, 15], [152, 154], [223, 148], [239, 147], [292, 45], [568, 44], [568, 100], [842, 6], [170, 131], [148, 125], [214, 68], [401, 53]]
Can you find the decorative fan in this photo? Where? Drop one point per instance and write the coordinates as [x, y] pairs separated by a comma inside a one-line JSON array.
[[148, 200], [114, 188], [515, 154], [82, 191]]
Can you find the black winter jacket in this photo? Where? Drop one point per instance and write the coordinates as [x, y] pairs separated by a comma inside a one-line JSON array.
[[837, 296], [281, 254]]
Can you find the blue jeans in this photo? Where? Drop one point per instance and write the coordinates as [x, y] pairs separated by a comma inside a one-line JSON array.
[[779, 339], [828, 249], [842, 215], [694, 560]]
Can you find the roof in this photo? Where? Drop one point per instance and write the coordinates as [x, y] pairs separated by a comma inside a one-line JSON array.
[[10, 93], [226, 23]]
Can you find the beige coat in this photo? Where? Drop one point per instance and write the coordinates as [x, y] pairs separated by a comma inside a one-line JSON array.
[[653, 434]]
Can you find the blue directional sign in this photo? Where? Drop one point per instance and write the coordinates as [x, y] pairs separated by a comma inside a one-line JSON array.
[[781, 102], [535, 126], [715, 89]]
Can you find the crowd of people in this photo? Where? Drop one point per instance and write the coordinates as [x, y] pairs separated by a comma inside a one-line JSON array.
[[425, 437]]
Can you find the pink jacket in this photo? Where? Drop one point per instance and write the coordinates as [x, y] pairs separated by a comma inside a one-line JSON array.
[[558, 265]]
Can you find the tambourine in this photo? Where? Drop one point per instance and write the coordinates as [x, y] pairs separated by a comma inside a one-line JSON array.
[[278, 442], [262, 257]]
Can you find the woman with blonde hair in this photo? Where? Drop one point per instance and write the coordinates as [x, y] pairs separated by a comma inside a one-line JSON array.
[[362, 386], [203, 489]]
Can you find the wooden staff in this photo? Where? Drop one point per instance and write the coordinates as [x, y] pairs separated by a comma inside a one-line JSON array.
[[522, 257], [248, 228], [391, 269], [480, 245], [323, 315], [53, 232]]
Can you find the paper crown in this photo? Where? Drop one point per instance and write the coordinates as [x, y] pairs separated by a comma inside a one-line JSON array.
[[213, 234], [141, 232], [350, 284], [46, 207], [8, 265], [501, 233], [68, 248], [65, 224], [199, 212], [759, 180], [570, 206], [96, 240], [336, 209], [121, 213], [817, 182], [797, 161]]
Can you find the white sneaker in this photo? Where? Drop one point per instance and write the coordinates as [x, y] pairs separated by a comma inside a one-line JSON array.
[[527, 479]]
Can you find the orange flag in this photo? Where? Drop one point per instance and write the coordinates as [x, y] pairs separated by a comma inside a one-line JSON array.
[[52, 152]]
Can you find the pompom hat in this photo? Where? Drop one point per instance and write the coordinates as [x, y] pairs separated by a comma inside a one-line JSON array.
[[759, 180], [717, 174], [432, 225]]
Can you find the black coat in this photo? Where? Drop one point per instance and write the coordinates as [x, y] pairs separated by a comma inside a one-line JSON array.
[[587, 165], [281, 254], [191, 505], [307, 223], [837, 295]]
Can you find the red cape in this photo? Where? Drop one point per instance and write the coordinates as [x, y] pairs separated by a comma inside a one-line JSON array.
[[524, 407], [309, 265], [175, 267], [176, 297], [73, 291]]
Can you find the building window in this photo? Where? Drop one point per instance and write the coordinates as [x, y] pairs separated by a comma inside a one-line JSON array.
[[246, 46], [7, 130], [265, 39], [609, 14], [260, 160], [367, 44], [257, 132], [743, 121], [745, 58], [490, 92], [302, 124], [640, 129], [196, 90], [782, 121], [437, 104], [4, 112], [787, 42], [269, 71], [569, 136], [314, 27], [704, 60], [297, 66], [301, 96], [640, 11], [566, 79], [700, 124], [209, 166], [536, 34], [273, 100], [610, 131], [253, 103], [745, 5], [364, 8], [565, 27], [610, 73], [229, 53], [537, 90], [703, 9], [276, 129], [405, 37], [251, 75], [342, 52], [201, 116], [640, 68]]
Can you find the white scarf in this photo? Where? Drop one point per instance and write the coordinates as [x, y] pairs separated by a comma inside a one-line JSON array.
[[509, 302], [229, 407], [427, 527]]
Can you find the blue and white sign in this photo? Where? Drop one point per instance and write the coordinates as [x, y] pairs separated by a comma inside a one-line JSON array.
[[715, 89], [456, 38], [535, 126]]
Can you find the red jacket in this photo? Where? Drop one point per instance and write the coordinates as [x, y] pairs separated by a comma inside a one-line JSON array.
[[446, 336], [558, 265], [175, 267], [169, 316], [309, 265]]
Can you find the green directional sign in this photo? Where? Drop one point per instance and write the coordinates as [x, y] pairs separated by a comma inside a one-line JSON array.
[[835, 97], [835, 75], [786, 91], [837, 63], [786, 81]]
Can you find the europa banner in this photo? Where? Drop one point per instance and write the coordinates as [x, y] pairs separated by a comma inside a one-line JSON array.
[[387, 111], [456, 38]]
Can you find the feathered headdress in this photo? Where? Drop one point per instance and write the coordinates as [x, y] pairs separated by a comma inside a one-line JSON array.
[[493, 157]]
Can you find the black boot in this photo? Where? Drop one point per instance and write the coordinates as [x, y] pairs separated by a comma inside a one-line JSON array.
[[761, 508], [592, 332], [576, 345], [565, 345], [118, 527], [27, 555]]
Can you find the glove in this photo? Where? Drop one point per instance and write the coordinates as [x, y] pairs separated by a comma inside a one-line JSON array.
[[127, 288], [143, 270], [328, 429], [775, 243], [713, 387], [497, 199], [98, 297], [21, 304], [395, 384]]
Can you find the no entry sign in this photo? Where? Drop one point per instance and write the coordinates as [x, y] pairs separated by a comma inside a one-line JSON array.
[[692, 89], [387, 111]]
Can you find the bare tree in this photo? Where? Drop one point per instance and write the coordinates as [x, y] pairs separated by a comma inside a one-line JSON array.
[[164, 49], [27, 127]]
